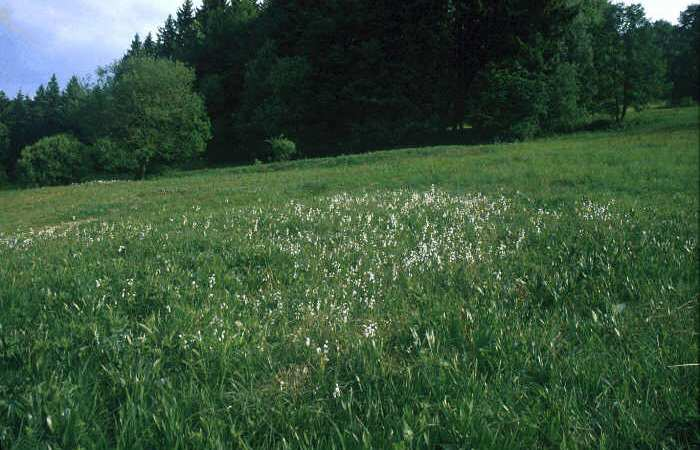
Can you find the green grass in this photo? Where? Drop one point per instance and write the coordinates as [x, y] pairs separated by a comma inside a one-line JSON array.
[[542, 294]]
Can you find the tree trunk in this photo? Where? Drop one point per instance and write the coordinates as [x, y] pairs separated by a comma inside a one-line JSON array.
[[618, 115], [142, 172], [625, 101]]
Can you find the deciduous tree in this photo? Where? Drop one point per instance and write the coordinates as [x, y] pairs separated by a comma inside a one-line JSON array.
[[157, 116]]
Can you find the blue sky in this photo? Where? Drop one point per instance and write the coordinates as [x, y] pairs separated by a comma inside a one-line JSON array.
[[40, 37], [66, 37]]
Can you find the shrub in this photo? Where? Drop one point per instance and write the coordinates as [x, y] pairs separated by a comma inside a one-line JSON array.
[[564, 113], [509, 103], [281, 148], [112, 158], [55, 160]]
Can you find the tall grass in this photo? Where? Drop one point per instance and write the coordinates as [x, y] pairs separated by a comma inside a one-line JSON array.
[[515, 296]]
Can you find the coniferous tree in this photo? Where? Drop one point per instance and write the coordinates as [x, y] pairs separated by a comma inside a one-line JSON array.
[[684, 67], [167, 37], [225, 46], [4, 104], [149, 46], [185, 32], [4, 148], [46, 111], [19, 121], [339, 76], [208, 7], [37, 115], [136, 47], [73, 101], [53, 113]]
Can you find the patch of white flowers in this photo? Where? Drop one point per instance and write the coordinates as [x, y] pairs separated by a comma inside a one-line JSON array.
[[339, 261]]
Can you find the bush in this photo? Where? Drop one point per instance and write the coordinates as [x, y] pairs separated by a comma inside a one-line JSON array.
[[508, 103], [55, 160], [112, 158], [564, 113], [281, 148]]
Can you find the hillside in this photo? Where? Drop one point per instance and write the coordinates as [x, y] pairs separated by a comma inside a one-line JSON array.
[[538, 294]]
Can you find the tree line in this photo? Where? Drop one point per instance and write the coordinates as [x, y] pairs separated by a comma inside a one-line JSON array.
[[229, 81]]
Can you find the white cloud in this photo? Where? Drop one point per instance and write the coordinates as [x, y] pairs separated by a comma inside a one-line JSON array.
[[667, 10], [71, 36], [108, 26]]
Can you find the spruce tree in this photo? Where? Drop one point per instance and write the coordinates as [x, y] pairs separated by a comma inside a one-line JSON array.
[[4, 104], [209, 6], [167, 37], [53, 113], [4, 148], [37, 115], [136, 47], [186, 32], [73, 101], [149, 46], [19, 121]]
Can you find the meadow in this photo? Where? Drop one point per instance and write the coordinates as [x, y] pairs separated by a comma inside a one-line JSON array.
[[530, 295]]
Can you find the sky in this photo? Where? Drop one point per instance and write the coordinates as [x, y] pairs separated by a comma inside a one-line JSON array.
[[67, 37]]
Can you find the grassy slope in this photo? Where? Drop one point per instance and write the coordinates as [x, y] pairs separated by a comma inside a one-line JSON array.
[[195, 333], [655, 159]]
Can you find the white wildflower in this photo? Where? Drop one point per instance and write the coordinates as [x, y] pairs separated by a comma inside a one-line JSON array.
[[336, 392]]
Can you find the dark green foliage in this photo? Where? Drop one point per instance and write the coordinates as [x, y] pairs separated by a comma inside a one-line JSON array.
[[532, 93], [488, 33], [225, 45], [146, 48], [167, 35], [19, 119], [375, 71], [564, 109], [112, 158], [136, 46], [54, 160], [74, 102], [185, 32], [347, 76], [149, 46], [4, 103], [276, 90], [684, 65], [4, 149], [510, 103], [46, 110], [666, 39], [4, 140]]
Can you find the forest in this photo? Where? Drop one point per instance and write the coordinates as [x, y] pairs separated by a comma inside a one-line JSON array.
[[239, 81]]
